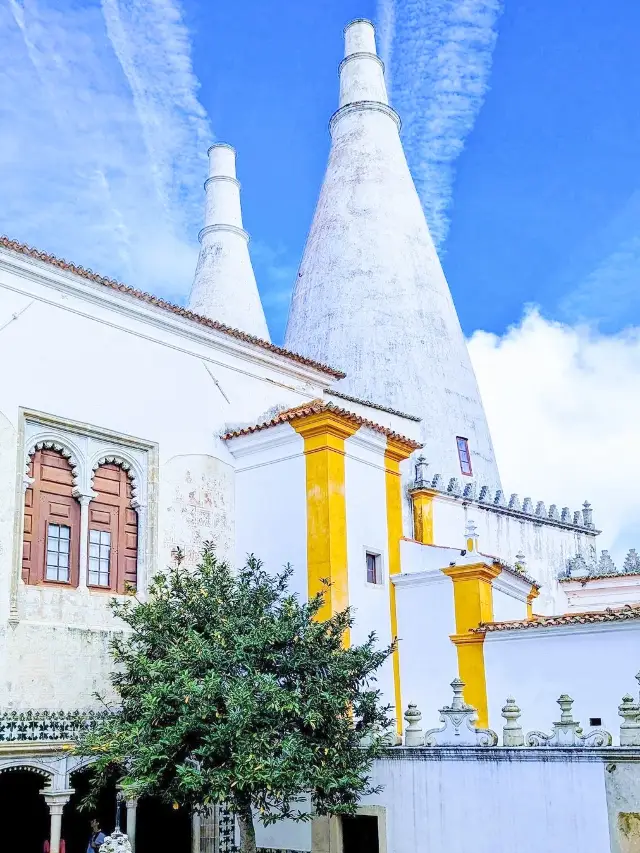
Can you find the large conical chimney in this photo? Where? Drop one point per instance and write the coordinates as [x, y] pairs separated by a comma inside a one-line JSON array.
[[224, 287], [371, 297]]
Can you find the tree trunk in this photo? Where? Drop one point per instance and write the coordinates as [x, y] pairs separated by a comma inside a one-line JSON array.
[[247, 831]]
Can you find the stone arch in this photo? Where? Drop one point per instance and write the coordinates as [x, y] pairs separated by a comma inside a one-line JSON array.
[[16, 765], [128, 464], [62, 446]]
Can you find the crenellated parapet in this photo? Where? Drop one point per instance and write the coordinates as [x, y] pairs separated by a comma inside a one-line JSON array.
[[495, 500], [588, 567]]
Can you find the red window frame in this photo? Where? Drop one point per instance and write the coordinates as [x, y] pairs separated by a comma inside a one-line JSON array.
[[464, 456]]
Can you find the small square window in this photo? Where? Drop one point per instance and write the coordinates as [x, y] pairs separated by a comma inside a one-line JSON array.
[[464, 456], [595, 721], [374, 569], [99, 557], [57, 566]]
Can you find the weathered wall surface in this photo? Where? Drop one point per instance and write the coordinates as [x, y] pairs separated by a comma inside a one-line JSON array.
[[108, 362], [622, 781]]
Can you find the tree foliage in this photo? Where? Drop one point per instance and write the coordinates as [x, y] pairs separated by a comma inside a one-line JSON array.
[[231, 690]]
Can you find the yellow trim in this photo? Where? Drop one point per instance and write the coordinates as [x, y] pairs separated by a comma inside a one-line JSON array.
[[473, 603], [395, 453], [422, 502], [324, 435], [535, 592]]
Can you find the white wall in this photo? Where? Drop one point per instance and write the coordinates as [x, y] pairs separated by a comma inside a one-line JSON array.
[[484, 804], [426, 618], [545, 546], [594, 664], [366, 504], [84, 353], [271, 501]]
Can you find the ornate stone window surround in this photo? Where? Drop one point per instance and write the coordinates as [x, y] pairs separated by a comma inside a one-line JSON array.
[[87, 447]]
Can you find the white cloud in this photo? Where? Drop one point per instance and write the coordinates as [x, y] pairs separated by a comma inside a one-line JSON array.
[[102, 137], [440, 54], [564, 410]]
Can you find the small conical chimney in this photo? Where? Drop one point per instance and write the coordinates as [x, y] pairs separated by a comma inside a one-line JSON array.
[[371, 297], [224, 287]]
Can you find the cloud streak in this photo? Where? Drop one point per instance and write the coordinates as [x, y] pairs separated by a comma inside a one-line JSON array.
[[102, 136], [439, 55]]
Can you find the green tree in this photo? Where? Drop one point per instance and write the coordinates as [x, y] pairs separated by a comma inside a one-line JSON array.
[[232, 691]]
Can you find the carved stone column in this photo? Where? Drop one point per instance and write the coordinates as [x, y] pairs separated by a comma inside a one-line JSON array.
[[56, 801], [84, 501], [132, 808]]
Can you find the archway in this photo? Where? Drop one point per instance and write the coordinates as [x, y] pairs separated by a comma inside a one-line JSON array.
[[76, 821], [21, 800], [160, 827]]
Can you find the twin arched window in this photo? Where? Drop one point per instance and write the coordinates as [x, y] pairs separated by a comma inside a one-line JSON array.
[[53, 546]]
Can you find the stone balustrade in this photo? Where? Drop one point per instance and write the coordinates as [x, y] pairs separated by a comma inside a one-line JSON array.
[[46, 725], [459, 728]]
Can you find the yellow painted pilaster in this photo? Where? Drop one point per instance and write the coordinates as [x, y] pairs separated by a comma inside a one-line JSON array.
[[422, 501], [473, 603], [324, 435], [396, 451], [535, 592]]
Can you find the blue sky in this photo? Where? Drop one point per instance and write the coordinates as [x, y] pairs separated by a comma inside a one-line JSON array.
[[522, 129]]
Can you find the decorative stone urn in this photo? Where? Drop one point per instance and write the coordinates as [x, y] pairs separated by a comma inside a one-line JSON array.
[[117, 842]]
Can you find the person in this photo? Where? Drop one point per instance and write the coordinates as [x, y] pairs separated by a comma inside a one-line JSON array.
[[97, 837]]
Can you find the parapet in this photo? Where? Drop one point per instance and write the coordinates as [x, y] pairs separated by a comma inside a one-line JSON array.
[[496, 501]]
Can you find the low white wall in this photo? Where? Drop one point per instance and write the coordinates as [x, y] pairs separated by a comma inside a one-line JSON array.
[[594, 664], [479, 802]]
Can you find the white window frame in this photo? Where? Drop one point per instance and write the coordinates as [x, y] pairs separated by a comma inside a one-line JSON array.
[[377, 552]]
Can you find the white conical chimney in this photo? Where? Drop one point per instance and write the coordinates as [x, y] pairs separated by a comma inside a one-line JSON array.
[[371, 297], [224, 287]]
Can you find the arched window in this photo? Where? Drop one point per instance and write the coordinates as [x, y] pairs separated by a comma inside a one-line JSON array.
[[51, 543], [113, 532]]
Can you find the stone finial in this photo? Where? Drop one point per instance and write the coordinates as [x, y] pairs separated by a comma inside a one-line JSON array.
[[541, 510], [499, 498], [521, 562], [436, 483], [471, 536], [512, 730], [606, 566], [629, 710], [527, 506], [469, 492], [577, 518], [454, 487], [413, 735], [554, 515], [565, 516], [567, 731], [483, 497], [514, 502], [587, 514], [458, 729], [577, 567], [631, 562], [421, 477]]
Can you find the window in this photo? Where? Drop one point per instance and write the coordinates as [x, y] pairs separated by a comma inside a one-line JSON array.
[[374, 571], [99, 557], [51, 539], [595, 721], [58, 552], [113, 531], [464, 456]]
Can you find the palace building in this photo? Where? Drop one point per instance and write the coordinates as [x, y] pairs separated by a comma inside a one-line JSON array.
[[358, 452]]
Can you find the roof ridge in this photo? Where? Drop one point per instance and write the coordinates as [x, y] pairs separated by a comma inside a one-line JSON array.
[[588, 617], [114, 284], [314, 407]]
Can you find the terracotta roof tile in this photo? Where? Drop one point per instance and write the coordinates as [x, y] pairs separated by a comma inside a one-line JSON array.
[[618, 614], [23, 249], [586, 578], [316, 407], [373, 405]]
